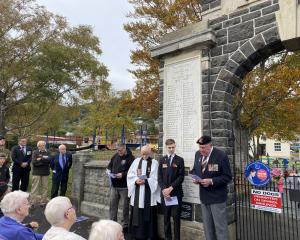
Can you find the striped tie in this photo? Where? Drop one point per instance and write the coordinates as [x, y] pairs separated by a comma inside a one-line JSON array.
[[204, 163]]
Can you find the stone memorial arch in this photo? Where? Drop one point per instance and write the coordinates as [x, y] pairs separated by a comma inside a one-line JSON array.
[[202, 66]]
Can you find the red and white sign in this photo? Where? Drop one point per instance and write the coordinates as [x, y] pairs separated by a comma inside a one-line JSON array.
[[266, 201]]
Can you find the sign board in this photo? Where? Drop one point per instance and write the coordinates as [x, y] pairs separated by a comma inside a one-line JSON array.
[[257, 173], [266, 201], [187, 211]]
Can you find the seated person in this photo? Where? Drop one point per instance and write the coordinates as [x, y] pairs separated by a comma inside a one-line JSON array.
[[61, 215], [106, 230], [15, 207]]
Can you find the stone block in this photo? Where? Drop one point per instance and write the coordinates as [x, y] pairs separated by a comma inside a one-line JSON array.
[[205, 99], [222, 40], [218, 20], [216, 27], [238, 57], [238, 13], [265, 20], [205, 7], [220, 141], [221, 33], [240, 32], [247, 49], [221, 133], [231, 66], [215, 70], [221, 86], [258, 42], [215, 4], [229, 48], [270, 9], [219, 61], [216, 51], [219, 106], [231, 22], [251, 16], [264, 28], [205, 124], [260, 6], [271, 35]]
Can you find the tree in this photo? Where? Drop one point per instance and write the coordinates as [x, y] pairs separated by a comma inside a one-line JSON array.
[[151, 19], [42, 60], [269, 101], [106, 109]]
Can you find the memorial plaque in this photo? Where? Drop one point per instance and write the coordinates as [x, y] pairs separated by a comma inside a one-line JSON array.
[[190, 191], [187, 211], [182, 106]]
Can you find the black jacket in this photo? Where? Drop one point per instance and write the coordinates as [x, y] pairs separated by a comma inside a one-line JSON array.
[[120, 164], [41, 167], [4, 179], [218, 168], [171, 177], [18, 157]]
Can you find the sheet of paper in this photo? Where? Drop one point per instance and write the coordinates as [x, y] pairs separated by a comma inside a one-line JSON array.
[[143, 177], [111, 175], [196, 177], [171, 201]]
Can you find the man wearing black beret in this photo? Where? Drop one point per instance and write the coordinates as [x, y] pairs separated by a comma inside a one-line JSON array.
[[213, 169]]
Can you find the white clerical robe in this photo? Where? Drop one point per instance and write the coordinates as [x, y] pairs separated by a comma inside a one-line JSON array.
[[152, 181]]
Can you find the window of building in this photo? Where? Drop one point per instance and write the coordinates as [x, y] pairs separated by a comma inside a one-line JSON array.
[[277, 147]]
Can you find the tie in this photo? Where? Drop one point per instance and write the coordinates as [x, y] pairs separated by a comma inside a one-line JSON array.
[[170, 159], [204, 163], [64, 160], [23, 150]]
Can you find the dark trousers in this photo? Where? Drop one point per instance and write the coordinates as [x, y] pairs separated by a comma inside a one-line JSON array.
[[55, 186], [175, 212], [20, 174]]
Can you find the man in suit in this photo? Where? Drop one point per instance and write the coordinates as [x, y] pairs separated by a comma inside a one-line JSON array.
[[170, 178], [21, 156], [60, 166], [212, 166]]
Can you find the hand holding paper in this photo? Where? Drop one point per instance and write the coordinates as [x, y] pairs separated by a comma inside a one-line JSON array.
[[171, 201]]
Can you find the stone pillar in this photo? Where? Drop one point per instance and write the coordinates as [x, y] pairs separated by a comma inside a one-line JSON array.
[[79, 159]]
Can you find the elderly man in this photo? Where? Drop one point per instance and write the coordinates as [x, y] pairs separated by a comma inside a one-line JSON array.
[[61, 215], [15, 207], [119, 165], [213, 170], [40, 171], [60, 166], [5, 151], [144, 194], [21, 155]]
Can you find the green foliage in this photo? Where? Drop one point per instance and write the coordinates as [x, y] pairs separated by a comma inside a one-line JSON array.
[[43, 60]]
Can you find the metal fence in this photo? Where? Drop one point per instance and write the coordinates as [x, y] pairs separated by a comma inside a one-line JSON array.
[[262, 225]]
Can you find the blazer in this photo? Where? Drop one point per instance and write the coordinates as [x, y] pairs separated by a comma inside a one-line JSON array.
[[11, 229], [59, 174], [18, 157], [218, 168], [41, 167], [171, 175]]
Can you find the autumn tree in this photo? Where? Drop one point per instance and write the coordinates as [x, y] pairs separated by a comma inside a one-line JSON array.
[[105, 109], [269, 101], [42, 60], [150, 20]]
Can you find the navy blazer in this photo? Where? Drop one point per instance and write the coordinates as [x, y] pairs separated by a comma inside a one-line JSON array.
[[11, 229], [218, 168], [18, 157], [59, 174], [174, 177]]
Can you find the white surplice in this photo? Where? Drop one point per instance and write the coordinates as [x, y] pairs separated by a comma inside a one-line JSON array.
[[152, 181]]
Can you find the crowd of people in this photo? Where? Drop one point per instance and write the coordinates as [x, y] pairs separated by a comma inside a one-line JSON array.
[[139, 184]]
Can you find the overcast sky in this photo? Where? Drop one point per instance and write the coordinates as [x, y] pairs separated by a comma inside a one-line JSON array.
[[107, 18]]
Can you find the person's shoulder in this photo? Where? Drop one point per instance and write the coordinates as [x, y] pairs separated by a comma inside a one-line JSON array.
[[179, 158], [73, 236]]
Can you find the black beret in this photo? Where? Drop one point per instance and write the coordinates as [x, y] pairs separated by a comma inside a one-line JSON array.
[[204, 140]]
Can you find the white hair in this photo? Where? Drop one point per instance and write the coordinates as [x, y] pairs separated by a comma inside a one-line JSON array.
[[55, 210], [40, 142], [105, 230], [13, 201]]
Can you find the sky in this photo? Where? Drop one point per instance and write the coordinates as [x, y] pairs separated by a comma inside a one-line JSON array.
[[106, 18]]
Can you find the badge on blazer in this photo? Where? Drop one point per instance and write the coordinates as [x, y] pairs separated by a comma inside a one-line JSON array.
[[164, 165], [123, 162], [213, 167], [28, 153]]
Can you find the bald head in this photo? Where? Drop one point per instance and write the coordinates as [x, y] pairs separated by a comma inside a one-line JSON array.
[[145, 151]]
